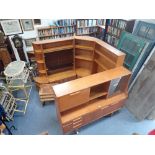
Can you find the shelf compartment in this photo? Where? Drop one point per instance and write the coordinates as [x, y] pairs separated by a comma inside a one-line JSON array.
[[84, 57], [82, 72], [95, 95], [62, 75], [84, 47], [40, 61], [100, 64], [54, 49], [102, 55], [99, 90]]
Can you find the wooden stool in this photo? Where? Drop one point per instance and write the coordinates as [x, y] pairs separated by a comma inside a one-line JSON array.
[[46, 93]]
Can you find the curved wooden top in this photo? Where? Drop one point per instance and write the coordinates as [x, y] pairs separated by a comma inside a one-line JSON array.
[[87, 38]]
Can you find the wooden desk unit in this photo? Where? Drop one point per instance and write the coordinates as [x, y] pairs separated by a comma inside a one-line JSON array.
[[98, 83]]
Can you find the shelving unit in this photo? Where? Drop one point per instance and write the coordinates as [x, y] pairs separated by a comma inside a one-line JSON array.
[[114, 29], [79, 104], [63, 28], [74, 57], [88, 26], [90, 65]]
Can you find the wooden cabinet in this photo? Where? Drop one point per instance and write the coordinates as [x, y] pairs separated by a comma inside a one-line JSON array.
[[73, 99], [93, 64], [81, 101], [79, 54]]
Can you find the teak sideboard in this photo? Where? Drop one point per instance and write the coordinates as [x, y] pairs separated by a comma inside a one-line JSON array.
[[97, 82]]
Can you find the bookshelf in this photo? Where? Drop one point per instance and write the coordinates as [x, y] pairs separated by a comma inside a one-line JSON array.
[[68, 27], [62, 28], [113, 30], [89, 26]]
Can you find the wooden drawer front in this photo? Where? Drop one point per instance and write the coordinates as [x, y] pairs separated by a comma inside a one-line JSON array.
[[87, 118], [72, 100], [117, 105], [96, 114], [109, 109], [78, 122], [72, 125], [67, 127]]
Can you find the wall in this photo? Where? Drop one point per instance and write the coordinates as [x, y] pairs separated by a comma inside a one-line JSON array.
[[30, 34]]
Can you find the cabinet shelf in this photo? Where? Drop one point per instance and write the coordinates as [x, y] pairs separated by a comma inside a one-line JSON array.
[[82, 72], [51, 35], [100, 64], [57, 48], [95, 95], [84, 47], [83, 57], [40, 61], [42, 71]]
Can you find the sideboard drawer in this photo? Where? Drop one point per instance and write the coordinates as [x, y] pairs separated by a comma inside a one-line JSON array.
[[111, 108], [72, 100]]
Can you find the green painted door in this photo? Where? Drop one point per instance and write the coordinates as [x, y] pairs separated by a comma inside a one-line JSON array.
[[132, 46]]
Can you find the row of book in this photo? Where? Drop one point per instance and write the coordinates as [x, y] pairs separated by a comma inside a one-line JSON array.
[[87, 30], [57, 36], [65, 22], [56, 31], [101, 22], [112, 40], [114, 31], [86, 22], [118, 23]]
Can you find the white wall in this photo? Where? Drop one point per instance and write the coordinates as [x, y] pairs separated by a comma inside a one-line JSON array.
[[30, 34], [33, 34]]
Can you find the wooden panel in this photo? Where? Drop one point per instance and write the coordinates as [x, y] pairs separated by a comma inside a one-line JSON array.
[[57, 44], [74, 99], [84, 43], [112, 107], [89, 81]]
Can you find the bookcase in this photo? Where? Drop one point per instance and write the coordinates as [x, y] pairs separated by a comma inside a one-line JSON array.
[[63, 28], [89, 26], [63, 59], [113, 30], [91, 81], [84, 100]]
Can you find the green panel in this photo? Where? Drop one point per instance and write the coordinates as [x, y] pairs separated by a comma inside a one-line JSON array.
[[132, 46]]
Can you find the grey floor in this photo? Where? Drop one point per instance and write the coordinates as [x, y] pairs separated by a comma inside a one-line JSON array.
[[40, 118]]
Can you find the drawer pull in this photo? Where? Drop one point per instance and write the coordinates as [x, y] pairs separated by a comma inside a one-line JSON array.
[[74, 93], [77, 118], [77, 122], [76, 126]]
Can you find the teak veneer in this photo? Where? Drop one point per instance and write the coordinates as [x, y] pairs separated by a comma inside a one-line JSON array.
[[97, 81]]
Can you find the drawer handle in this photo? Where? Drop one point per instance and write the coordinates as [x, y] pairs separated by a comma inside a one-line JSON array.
[[77, 118], [78, 122], [74, 93]]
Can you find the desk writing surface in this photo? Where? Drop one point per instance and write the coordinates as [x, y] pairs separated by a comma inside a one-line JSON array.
[[89, 81]]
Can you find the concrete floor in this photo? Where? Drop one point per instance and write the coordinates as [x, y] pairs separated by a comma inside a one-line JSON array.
[[39, 119]]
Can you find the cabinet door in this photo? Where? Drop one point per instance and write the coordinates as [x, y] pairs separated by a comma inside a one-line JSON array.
[[72, 100]]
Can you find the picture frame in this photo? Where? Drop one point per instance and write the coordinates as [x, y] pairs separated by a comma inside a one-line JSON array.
[[28, 42], [37, 21], [11, 27], [27, 24]]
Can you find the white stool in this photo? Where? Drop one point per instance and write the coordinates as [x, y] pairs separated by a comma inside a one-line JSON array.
[[17, 76]]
